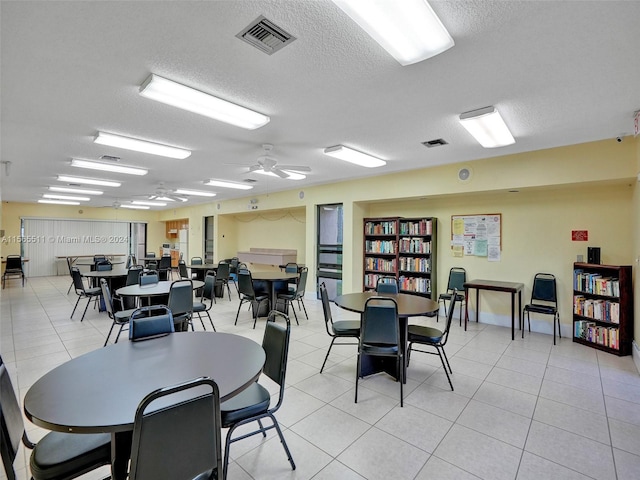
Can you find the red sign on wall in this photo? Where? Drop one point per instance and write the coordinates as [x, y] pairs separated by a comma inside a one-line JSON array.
[[579, 235]]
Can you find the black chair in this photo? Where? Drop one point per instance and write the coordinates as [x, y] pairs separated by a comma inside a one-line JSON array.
[[148, 278], [69, 265], [544, 300], [150, 322], [248, 294], [252, 404], [207, 293], [432, 337], [195, 261], [164, 267], [387, 284], [222, 277], [58, 455], [120, 317], [340, 329], [457, 278], [13, 268], [82, 292], [181, 304], [104, 266], [291, 267], [297, 294], [380, 336], [131, 261], [179, 441], [182, 270], [233, 271]]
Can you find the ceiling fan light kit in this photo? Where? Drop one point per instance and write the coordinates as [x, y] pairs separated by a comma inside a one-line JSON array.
[[487, 127], [88, 181], [354, 156], [409, 30], [107, 167], [137, 145], [187, 98]]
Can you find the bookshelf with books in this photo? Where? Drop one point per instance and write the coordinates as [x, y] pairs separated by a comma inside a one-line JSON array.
[[603, 307], [403, 248]]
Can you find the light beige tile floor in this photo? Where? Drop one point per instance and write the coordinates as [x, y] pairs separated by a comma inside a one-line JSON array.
[[522, 409]]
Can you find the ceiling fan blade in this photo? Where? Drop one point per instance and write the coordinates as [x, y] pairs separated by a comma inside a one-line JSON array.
[[253, 168], [280, 173], [153, 197]]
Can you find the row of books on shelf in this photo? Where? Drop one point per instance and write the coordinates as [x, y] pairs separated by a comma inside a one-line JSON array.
[[380, 264], [421, 227], [380, 246], [589, 331], [595, 283], [598, 309], [414, 284], [380, 228], [414, 245], [411, 264], [371, 279]]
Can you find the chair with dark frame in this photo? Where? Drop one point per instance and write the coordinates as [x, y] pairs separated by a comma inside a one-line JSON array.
[[457, 278], [150, 322], [387, 284], [253, 403], [380, 336], [182, 270], [181, 304], [13, 268], [133, 277], [207, 293], [82, 292], [148, 278], [433, 337], [181, 440], [120, 318], [58, 455], [233, 272], [544, 300], [164, 267], [222, 277], [248, 294], [340, 329], [297, 294]]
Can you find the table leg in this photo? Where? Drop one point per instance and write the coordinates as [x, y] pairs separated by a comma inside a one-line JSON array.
[[120, 454], [513, 315], [466, 308], [477, 305]]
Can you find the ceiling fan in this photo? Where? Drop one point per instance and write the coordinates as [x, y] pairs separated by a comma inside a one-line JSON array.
[[164, 194], [269, 164]]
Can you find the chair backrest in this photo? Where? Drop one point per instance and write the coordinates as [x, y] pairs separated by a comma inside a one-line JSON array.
[[69, 264], [387, 285], [165, 262], [242, 267], [180, 440], [223, 271], [302, 282], [326, 308], [181, 297], [78, 284], [457, 277], [131, 261], [291, 267], [99, 258], [182, 269], [148, 278], [106, 295], [10, 419], [276, 347], [233, 264], [151, 254], [245, 284], [209, 285], [196, 260], [14, 262], [544, 288], [133, 274], [150, 322], [380, 325], [103, 266], [447, 327]]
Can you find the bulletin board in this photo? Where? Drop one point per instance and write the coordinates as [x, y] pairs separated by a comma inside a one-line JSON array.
[[477, 235]]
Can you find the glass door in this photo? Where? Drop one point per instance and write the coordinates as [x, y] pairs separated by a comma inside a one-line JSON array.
[[329, 252], [208, 239]]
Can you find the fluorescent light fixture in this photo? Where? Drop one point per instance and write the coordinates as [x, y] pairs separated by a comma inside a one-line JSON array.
[[223, 184], [81, 191], [487, 127], [151, 204], [135, 207], [137, 145], [88, 181], [59, 202], [65, 197], [187, 98], [354, 156], [292, 175], [173, 199], [197, 193], [108, 167], [408, 29]]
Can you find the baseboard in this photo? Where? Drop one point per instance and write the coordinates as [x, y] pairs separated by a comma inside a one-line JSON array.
[[537, 325]]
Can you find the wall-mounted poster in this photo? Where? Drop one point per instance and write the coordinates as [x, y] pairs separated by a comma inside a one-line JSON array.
[[478, 235]]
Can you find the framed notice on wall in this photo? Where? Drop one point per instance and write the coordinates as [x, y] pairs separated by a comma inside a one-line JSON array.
[[477, 235]]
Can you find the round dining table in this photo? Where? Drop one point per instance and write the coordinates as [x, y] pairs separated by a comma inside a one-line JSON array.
[[408, 306], [100, 391], [272, 279], [153, 289]]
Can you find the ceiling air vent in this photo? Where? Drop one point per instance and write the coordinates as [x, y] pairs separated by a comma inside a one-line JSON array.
[[265, 35], [250, 180], [110, 158], [435, 143]]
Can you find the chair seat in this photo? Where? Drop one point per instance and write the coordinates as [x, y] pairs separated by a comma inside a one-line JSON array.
[[447, 296], [372, 349], [59, 455], [123, 315], [259, 297], [287, 296], [419, 333], [92, 291], [349, 328], [248, 403], [199, 307], [537, 308]]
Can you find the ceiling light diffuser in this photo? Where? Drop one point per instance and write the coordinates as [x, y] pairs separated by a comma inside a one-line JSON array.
[[487, 127], [81, 191], [173, 199], [178, 95], [197, 193], [137, 145], [292, 175], [108, 167], [65, 197], [135, 207], [151, 204], [59, 202], [223, 184], [408, 29], [354, 156], [88, 181]]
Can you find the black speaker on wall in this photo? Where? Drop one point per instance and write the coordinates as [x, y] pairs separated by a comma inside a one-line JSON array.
[[593, 255]]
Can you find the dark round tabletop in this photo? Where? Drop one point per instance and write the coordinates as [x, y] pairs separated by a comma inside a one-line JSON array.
[[408, 305], [116, 272], [203, 266], [273, 276], [160, 288], [100, 391]]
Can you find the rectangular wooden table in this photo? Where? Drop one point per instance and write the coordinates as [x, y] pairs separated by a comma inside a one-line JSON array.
[[495, 286]]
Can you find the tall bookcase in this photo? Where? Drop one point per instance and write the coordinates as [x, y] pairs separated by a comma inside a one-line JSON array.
[[404, 248], [603, 307]]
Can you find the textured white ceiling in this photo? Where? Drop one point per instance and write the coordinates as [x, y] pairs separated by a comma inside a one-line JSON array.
[[560, 73]]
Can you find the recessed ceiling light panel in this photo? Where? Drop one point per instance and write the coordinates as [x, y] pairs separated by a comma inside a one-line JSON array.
[[354, 156], [65, 197], [108, 167], [58, 202], [487, 127], [138, 145], [81, 191], [196, 193], [224, 184], [87, 181]]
